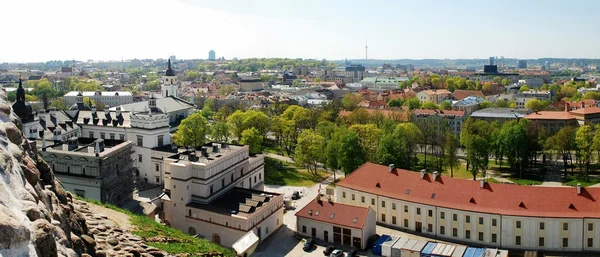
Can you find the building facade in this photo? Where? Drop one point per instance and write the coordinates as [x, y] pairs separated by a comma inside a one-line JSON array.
[[477, 212], [113, 98], [453, 119], [169, 85], [435, 96], [216, 194]]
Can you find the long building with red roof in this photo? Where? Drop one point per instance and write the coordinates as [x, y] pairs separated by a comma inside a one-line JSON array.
[[477, 212]]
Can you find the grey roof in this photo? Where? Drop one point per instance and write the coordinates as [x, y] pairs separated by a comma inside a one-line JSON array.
[[167, 105], [501, 113]]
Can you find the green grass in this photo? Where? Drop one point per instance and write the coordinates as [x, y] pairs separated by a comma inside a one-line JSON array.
[[147, 227], [270, 146], [578, 179], [287, 174], [524, 182], [492, 180]]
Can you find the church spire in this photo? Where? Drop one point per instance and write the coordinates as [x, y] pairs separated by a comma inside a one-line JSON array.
[[169, 71], [20, 91]]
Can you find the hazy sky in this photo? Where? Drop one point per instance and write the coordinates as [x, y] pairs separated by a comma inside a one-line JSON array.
[[41, 30]]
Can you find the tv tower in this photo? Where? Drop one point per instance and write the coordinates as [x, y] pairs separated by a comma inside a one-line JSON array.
[[366, 50]]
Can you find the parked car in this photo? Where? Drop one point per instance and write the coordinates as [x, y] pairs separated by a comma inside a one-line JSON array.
[[351, 253], [308, 244], [295, 195], [328, 250], [337, 253]]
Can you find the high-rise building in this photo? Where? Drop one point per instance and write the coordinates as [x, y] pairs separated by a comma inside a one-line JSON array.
[[172, 58], [522, 64], [211, 55], [492, 61], [547, 65]]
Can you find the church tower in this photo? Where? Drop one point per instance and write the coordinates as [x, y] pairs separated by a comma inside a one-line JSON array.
[[169, 85], [21, 107]]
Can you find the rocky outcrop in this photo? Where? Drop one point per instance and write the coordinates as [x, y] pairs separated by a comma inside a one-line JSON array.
[[38, 217]]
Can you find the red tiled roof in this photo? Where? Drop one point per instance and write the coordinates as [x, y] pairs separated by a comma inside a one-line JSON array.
[[504, 199], [441, 112], [588, 110], [343, 214], [550, 115], [462, 94]]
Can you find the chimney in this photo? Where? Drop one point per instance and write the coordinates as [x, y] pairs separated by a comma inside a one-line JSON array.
[[204, 151], [94, 108], [391, 167], [215, 148], [41, 113], [329, 199], [99, 146], [578, 189], [72, 143], [481, 183], [43, 143], [192, 156], [106, 109], [319, 198], [435, 175], [86, 120], [223, 145], [57, 137], [567, 105], [52, 110], [118, 112], [423, 171]]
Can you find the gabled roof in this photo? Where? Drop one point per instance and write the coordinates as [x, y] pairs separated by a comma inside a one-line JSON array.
[[504, 199], [335, 213], [550, 115], [461, 94], [587, 110], [428, 112]]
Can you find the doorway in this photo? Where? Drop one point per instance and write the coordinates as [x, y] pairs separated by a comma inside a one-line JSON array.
[[418, 227], [326, 236]]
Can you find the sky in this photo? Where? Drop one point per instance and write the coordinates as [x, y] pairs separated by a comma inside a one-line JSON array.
[[42, 30]]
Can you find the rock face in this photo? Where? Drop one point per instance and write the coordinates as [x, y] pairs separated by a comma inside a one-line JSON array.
[[38, 217]]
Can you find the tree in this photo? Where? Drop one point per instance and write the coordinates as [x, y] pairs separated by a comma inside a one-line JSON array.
[[485, 104], [584, 140], [476, 139], [207, 112], [446, 105], [351, 100], [396, 102], [44, 89], [192, 131], [220, 131], [413, 103], [227, 90], [59, 104], [368, 135], [309, 150], [592, 95], [450, 149], [562, 142], [524, 88], [536, 105], [253, 139], [351, 155], [429, 105], [505, 82], [192, 75], [514, 144]]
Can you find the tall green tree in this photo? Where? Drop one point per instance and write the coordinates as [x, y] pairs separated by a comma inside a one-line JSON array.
[[220, 131], [476, 140], [368, 136], [451, 152], [253, 138], [584, 138], [514, 144], [563, 142], [351, 155], [192, 131], [309, 150]]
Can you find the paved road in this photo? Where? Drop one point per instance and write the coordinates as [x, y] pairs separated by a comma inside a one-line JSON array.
[[279, 157]]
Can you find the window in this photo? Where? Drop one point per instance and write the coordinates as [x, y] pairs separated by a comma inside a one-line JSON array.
[[541, 241], [442, 230], [454, 232], [430, 228], [112, 136], [494, 238], [406, 223], [590, 242], [160, 140], [480, 236], [91, 134], [343, 193], [565, 242], [303, 229], [353, 196], [254, 179], [480, 221], [157, 167], [139, 158], [518, 224], [157, 179], [418, 211], [211, 189], [382, 217], [394, 220], [565, 226], [442, 215], [372, 201], [140, 141], [590, 226], [430, 213], [468, 234], [468, 219], [362, 199], [494, 222], [383, 204], [393, 206], [223, 182], [259, 176], [102, 135], [454, 217], [405, 208], [542, 225], [121, 137]]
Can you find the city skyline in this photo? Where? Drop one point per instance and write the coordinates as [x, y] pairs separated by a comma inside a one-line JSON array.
[[310, 29]]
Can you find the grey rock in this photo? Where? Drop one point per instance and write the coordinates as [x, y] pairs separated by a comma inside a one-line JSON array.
[[44, 240]]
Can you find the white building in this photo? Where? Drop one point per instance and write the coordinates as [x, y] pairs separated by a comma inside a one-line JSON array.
[[565, 219], [335, 222], [112, 98], [170, 85], [215, 194]]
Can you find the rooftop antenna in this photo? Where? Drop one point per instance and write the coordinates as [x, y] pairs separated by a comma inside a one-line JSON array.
[[366, 48]]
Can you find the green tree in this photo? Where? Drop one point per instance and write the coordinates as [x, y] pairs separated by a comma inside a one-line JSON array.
[[476, 140], [450, 150], [399, 146], [192, 131], [592, 95], [514, 143], [524, 88], [227, 90], [446, 105], [505, 82], [253, 138], [44, 89], [351, 155], [350, 101], [584, 138], [220, 131], [413, 103], [396, 102], [192, 75], [429, 105], [309, 150], [485, 104], [536, 105], [368, 136], [59, 104], [563, 143]]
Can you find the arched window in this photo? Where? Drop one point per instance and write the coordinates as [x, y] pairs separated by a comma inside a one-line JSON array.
[[216, 238], [192, 231]]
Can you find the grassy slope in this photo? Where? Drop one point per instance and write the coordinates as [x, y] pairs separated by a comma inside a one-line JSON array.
[[147, 227]]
